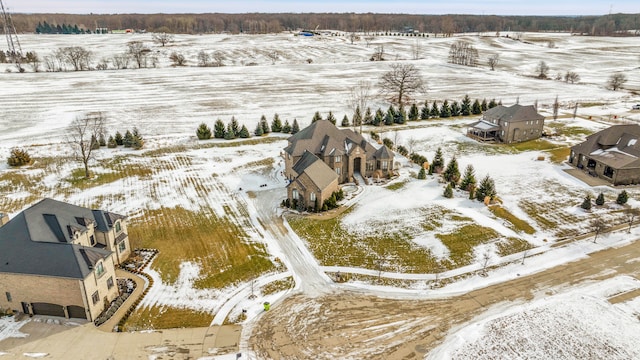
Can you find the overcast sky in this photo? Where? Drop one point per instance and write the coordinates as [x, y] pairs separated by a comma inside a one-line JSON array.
[[479, 7]]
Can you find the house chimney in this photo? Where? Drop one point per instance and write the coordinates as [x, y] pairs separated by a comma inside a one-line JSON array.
[[4, 218]]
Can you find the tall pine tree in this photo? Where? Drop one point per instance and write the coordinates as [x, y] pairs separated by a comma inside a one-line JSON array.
[[487, 188], [438, 161], [357, 117], [468, 179], [345, 121], [435, 111], [295, 127], [424, 112], [286, 128], [414, 113], [368, 117], [465, 108], [316, 117], [276, 124], [452, 173], [445, 111], [219, 129]]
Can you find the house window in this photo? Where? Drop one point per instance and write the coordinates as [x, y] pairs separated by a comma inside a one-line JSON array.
[[99, 269], [8, 296], [385, 164], [338, 171], [370, 166], [118, 227], [92, 239], [338, 159], [95, 297], [122, 246], [608, 172], [295, 193], [110, 282], [312, 196], [506, 123]]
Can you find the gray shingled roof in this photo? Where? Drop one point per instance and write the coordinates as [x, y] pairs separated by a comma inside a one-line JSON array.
[[515, 112], [317, 171], [324, 138], [36, 241], [617, 146]]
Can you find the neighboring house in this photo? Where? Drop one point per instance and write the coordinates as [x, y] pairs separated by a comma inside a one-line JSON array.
[[344, 155], [612, 154], [59, 259], [511, 124]]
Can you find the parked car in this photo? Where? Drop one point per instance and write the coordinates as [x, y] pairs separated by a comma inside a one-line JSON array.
[[636, 107]]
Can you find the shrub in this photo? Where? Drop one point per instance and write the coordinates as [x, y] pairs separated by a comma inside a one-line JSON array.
[[622, 198], [600, 199], [18, 157], [448, 191], [402, 150], [586, 203]]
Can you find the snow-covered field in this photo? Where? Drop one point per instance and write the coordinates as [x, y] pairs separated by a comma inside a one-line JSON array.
[[167, 103]]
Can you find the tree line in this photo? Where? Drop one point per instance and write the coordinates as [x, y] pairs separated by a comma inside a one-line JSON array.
[[258, 23]]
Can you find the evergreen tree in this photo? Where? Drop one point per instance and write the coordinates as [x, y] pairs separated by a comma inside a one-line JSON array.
[[422, 174], [368, 117], [475, 108], [414, 113], [244, 132], [435, 111], [438, 161], [357, 117], [465, 108], [487, 188], [455, 109], [111, 143], [18, 157], [483, 105], [136, 133], [234, 125], [600, 199], [265, 126], [219, 129], [203, 132], [345, 121], [276, 124], [119, 139], [128, 139], [389, 116], [295, 127], [258, 131], [468, 179], [586, 203], [492, 103], [448, 191], [622, 198], [500, 102], [286, 128], [138, 142], [379, 118], [229, 134], [331, 118], [452, 173], [424, 112], [445, 111], [316, 117], [95, 144], [401, 116], [102, 140]]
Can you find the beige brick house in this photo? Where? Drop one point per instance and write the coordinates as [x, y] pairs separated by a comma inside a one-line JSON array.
[[59, 259], [612, 154], [321, 156], [508, 124]]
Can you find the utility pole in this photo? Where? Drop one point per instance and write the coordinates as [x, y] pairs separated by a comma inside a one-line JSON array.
[[15, 51]]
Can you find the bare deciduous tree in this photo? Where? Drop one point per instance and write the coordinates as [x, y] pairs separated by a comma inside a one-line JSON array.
[[80, 134], [597, 226], [493, 61], [273, 56], [542, 69], [203, 58], [399, 84], [368, 40], [138, 52], [378, 54], [162, 38], [631, 214], [34, 61], [572, 77], [353, 37], [416, 49], [616, 81], [463, 53], [121, 61], [359, 97], [78, 57], [177, 59]]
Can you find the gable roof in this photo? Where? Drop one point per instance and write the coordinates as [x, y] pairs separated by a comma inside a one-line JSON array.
[[37, 241], [325, 139], [512, 113], [318, 172], [617, 146]]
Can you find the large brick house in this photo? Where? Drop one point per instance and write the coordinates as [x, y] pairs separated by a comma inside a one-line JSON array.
[[321, 156], [612, 154], [512, 124], [59, 259]]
